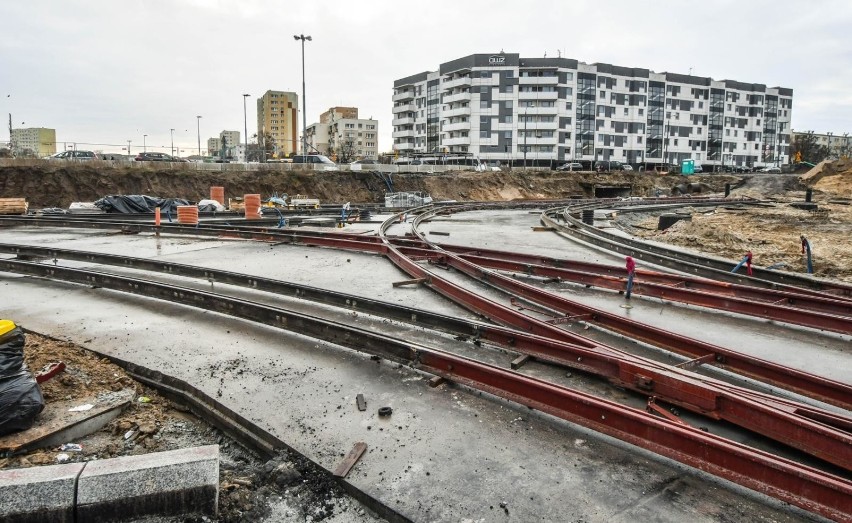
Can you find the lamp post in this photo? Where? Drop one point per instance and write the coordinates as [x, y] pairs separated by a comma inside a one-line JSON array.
[[304, 105], [245, 123], [128, 149], [144, 143], [173, 141], [198, 128]]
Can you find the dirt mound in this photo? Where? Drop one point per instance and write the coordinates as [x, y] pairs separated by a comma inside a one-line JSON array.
[[768, 185], [772, 234], [826, 168], [57, 185]]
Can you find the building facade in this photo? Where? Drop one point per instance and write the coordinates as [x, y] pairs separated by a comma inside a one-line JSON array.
[[214, 146], [277, 120], [838, 145], [37, 141], [342, 135], [505, 108]]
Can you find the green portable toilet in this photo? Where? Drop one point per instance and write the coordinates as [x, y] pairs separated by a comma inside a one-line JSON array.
[[687, 167]]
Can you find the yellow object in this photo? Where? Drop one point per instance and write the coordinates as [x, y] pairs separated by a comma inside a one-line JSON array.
[[6, 326]]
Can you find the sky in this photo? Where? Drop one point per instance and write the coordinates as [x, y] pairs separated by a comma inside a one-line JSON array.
[[109, 71]]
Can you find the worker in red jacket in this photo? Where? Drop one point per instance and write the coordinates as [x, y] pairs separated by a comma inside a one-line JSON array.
[[631, 271]]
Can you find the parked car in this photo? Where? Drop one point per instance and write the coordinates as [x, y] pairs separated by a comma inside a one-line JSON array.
[[627, 167], [318, 161], [570, 166], [698, 169], [770, 170], [157, 157], [366, 161], [609, 165], [82, 156]]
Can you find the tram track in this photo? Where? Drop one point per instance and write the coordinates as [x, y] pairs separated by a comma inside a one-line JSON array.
[[823, 493]]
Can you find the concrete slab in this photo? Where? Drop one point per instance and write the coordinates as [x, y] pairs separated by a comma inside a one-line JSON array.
[[39, 494], [164, 483]]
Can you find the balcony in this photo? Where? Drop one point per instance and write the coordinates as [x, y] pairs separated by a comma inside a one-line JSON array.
[[551, 111], [458, 97], [538, 80], [404, 146], [550, 126], [544, 140], [403, 95], [550, 95], [402, 121], [456, 126], [456, 82], [409, 133], [404, 108], [458, 111], [459, 140]]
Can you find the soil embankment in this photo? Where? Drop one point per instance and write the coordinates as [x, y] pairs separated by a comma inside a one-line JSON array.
[[49, 185]]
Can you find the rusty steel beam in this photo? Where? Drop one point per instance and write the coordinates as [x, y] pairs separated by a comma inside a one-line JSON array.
[[771, 311], [803, 486], [819, 302]]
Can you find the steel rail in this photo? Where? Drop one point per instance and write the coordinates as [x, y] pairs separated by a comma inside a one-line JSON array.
[[613, 366], [687, 262], [770, 311], [826, 303], [646, 376], [817, 387], [803, 486]]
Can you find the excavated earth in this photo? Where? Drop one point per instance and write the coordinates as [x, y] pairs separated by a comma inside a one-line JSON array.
[[48, 185]]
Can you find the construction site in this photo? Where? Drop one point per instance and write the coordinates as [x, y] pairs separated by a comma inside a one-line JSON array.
[[525, 345]]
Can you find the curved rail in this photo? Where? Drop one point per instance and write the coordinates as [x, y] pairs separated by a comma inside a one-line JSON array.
[[803, 486]]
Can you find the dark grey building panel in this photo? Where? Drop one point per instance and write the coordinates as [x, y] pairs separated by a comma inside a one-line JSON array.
[[565, 63], [411, 80], [635, 72], [784, 91], [688, 79], [743, 86], [480, 60]]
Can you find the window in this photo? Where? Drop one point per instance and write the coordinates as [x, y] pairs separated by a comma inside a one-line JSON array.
[[485, 134], [603, 95], [483, 89], [626, 112], [484, 104], [507, 104], [569, 105], [638, 139]]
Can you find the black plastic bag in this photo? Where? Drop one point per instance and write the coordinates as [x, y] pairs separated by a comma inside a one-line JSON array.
[[20, 402], [11, 352]]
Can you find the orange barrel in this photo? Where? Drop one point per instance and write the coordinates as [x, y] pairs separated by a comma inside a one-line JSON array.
[[252, 203], [218, 194], [187, 214]]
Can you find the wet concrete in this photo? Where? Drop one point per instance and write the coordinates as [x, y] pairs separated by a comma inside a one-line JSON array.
[[444, 454]]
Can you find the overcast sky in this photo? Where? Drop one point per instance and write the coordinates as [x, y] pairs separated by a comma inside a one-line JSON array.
[[108, 71]]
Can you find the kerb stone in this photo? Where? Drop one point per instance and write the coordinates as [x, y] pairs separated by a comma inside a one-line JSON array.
[[38, 494]]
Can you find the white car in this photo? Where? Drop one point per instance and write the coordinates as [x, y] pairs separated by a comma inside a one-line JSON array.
[[79, 156], [627, 167]]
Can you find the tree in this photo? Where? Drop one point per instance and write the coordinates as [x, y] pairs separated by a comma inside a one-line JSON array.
[[261, 147], [811, 151], [345, 150]]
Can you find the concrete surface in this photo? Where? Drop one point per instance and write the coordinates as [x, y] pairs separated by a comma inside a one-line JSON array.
[[446, 454], [167, 483], [39, 494]]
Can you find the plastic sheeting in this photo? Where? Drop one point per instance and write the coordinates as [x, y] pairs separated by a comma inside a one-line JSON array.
[[139, 204], [20, 396]]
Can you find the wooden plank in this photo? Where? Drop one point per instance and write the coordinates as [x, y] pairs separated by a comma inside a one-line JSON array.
[[361, 402], [415, 281], [520, 361], [436, 381], [439, 233], [542, 229], [349, 461]]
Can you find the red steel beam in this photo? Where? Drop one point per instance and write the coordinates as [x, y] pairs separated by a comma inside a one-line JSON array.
[[807, 318]]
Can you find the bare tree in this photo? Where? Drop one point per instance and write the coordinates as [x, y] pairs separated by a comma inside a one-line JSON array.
[[806, 149], [345, 150]]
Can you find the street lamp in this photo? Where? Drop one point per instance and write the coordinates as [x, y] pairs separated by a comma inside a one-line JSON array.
[[144, 143], [128, 149], [245, 123], [198, 125], [304, 105], [173, 141]]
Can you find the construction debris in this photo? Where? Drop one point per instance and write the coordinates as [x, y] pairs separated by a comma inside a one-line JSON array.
[[13, 206]]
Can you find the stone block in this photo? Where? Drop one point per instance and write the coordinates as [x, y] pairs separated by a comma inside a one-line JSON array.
[[39, 494], [163, 483]]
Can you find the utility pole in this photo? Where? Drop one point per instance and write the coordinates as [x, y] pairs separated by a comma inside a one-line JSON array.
[[173, 141], [144, 143], [11, 140], [526, 121], [128, 149], [304, 99], [245, 123], [198, 127]]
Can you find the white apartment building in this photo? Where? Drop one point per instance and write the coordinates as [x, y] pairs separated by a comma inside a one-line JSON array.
[[502, 107], [341, 134], [230, 140], [214, 146]]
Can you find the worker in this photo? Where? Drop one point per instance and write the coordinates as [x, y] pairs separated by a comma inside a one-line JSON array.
[[344, 212], [806, 249], [631, 271], [745, 261]]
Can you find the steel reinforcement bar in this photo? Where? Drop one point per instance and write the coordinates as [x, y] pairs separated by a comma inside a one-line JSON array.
[[803, 486]]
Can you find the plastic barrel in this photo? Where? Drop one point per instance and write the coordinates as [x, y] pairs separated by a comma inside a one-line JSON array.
[[218, 194], [252, 203], [187, 214]]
